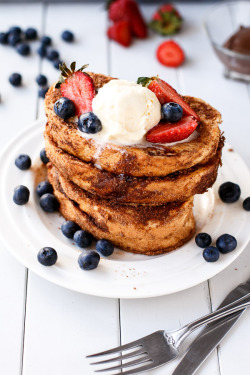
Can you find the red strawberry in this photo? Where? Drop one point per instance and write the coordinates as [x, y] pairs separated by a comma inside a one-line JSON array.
[[166, 20], [137, 23], [117, 10], [169, 53], [167, 132], [166, 93], [120, 32]]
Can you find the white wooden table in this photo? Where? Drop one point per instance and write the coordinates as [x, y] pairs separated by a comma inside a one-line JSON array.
[[45, 329]]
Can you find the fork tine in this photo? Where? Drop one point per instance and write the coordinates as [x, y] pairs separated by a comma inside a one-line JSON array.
[[130, 345], [121, 357], [137, 370], [128, 364]]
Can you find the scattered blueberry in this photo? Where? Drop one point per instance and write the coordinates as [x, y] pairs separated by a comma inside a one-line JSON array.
[[211, 254], [89, 123], [104, 247], [14, 39], [56, 63], [67, 36], [203, 240], [23, 162], [52, 55], [64, 108], [41, 80], [23, 49], [69, 228], [42, 51], [43, 156], [49, 203], [246, 204], [226, 243], [15, 30], [46, 40], [229, 192], [42, 92], [88, 261], [30, 33], [171, 112], [82, 238], [3, 38], [15, 79], [44, 187], [21, 195], [47, 256]]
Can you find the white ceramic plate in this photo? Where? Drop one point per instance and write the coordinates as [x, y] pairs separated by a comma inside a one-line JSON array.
[[26, 229]]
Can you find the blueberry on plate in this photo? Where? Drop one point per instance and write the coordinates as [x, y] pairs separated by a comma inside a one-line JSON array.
[[171, 112], [47, 256], [43, 156], [30, 33], [23, 162], [52, 55], [21, 195], [82, 238], [42, 51], [229, 192], [15, 79], [46, 40], [211, 254], [88, 261], [23, 49], [203, 240], [41, 80], [246, 204], [42, 92], [104, 247], [15, 30], [14, 39], [69, 228], [64, 108], [56, 63], [89, 123], [3, 38], [44, 187], [49, 203], [67, 36], [226, 243]]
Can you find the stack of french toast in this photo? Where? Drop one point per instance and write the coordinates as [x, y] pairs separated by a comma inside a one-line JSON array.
[[140, 197]]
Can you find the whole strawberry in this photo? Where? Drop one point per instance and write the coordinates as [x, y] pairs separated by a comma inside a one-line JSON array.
[[166, 20]]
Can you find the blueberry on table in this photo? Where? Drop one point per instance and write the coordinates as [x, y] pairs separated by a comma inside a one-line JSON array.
[[82, 238], [15, 79], [171, 112], [211, 254], [52, 55], [49, 203], [57, 63], [47, 256], [43, 156], [44, 187], [3, 38], [104, 247], [23, 49], [15, 30], [42, 51], [41, 80], [226, 243], [42, 92], [88, 261], [46, 40], [229, 192], [67, 36], [23, 162], [203, 240], [21, 195], [14, 39], [89, 123], [30, 33], [69, 228], [64, 108], [246, 204]]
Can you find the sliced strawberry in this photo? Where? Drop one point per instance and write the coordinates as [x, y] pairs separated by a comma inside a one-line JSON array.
[[120, 32], [117, 10], [79, 87], [137, 23], [167, 132], [169, 53], [166, 93]]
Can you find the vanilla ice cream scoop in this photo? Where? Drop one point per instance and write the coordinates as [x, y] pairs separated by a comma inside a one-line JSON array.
[[126, 110]]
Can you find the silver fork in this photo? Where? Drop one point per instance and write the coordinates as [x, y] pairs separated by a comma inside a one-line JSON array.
[[162, 346]]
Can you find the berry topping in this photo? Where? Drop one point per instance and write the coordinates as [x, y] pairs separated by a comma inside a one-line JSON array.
[[47, 256], [104, 247], [89, 123], [229, 192], [83, 239], [67, 36], [89, 261], [246, 204], [203, 240], [42, 92], [166, 20], [69, 228], [46, 40], [43, 156], [42, 51], [30, 33], [14, 39], [15, 79], [23, 162], [44, 187], [23, 49], [166, 132], [64, 108], [41, 80], [52, 55], [211, 254], [226, 243], [3, 38], [21, 195], [171, 112], [120, 32], [49, 203], [169, 53]]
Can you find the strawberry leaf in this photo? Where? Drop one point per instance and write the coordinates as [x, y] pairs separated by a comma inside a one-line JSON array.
[[144, 81]]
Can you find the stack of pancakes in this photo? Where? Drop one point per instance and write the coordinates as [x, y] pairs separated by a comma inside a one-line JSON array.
[[138, 197]]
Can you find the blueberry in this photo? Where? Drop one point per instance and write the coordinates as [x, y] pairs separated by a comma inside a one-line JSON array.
[[211, 254], [49, 203], [203, 240], [14, 39], [43, 156], [82, 238], [64, 108], [42, 92], [42, 51], [15, 79], [3, 38], [104, 247], [229, 192], [41, 80], [15, 30], [44, 187], [89, 123], [67, 36], [246, 204], [46, 40], [226, 243], [88, 261], [47, 256], [23, 162], [23, 49], [171, 112], [52, 55], [30, 33], [56, 63], [21, 195], [69, 228]]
